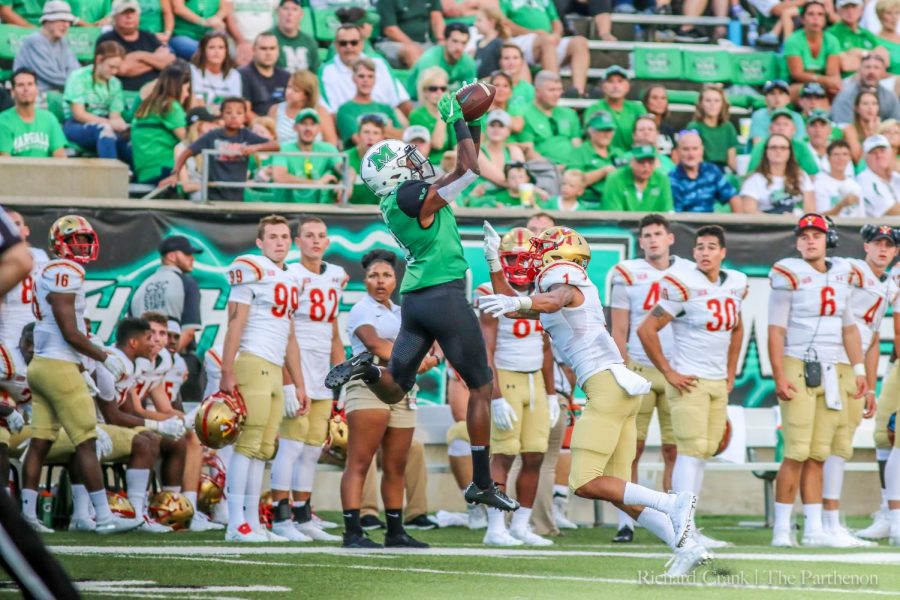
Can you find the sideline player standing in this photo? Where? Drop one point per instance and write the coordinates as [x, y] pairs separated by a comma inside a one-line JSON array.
[[703, 303], [15, 310], [635, 291], [809, 322], [434, 305]]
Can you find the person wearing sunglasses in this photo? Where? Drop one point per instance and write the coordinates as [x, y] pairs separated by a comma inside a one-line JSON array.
[[432, 84], [350, 112], [450, 55]]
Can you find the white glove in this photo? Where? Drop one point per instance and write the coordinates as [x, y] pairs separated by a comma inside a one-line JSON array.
[[190, 418], [115, 366], [291, 404], [342, 399], [104, 444], [503, 414], [15, 422], [553, 405], [172, 428], [492, 248], [93, 390], [496, 304]]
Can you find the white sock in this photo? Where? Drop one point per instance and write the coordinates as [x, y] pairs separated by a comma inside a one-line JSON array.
[[881, 454], [136, 480], [699, 472], [176, 489], [496, 519], [658, 524], [520, 518], [783, 516], [812, 519], [81, 502], [251, 512], [29, 503], [638, 495], [253, 492], [894, 516], [831, 519], [833, 477], [235, 505], [101, 505], [305, 469], [884, 505], [235, 487], [560, 490], [192, 498], [289, 452], [892, 475], [625, 520], [683, 474]]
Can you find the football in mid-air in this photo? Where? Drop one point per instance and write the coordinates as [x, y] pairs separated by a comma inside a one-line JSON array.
[[475, 99]]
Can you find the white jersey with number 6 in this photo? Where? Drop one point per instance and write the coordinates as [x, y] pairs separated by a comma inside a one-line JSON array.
[[579, 333], [273, 297], [58, 276], [520, 342], [705, 314], [868, 303], [15, 309], [320, 300]]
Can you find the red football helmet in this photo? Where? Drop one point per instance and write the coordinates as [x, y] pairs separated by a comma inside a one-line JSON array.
[[515, 255], [73, 238]]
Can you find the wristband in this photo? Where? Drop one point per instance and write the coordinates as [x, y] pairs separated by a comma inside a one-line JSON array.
[[151, 424], [525, 303], [859, 370], [494, 265], [462, 130]]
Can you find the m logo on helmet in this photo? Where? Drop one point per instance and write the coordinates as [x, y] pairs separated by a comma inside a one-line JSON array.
[[382, 157]]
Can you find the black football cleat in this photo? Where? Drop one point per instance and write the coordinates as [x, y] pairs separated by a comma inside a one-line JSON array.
[[625, 535], [360, 541], [352, 368], [491, 496], [403, 540]]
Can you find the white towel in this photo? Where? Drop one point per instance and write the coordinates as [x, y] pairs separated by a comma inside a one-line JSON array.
[[832, 386], [631, 382]]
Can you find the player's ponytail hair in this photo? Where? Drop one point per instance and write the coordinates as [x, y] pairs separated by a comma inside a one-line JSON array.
[[373, 256]]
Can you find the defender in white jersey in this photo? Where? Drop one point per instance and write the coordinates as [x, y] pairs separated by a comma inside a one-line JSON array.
[[604, 439], [301, 436], [15, 308], [810, 325], [261, 307], [635, 290], [60, 395], [524, 405], [702, 302]]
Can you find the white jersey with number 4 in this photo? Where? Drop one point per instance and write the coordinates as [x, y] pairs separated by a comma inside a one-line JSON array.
[[869, 302], [705, 314], [635, 288], [273, 297], [320, 300], [579, 333], [59, 276], [15, 309], [520, 342], [819, 302]]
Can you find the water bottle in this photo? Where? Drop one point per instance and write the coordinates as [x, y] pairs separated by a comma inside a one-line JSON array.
[[752, 32], [734, 32]]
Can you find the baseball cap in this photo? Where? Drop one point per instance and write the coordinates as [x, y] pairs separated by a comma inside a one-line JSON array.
[[173, 326], [307, 113], [57, 10], [870, 233], [812, 221], [416, 132], [781, 112], [499, 115], [178, 243], [818, 115], [297, 2], [875, 141], [601, 121], [616, 70], [121, 6], [776, 84], [813, 89], [199, 114], [643, 152], [842, 3]]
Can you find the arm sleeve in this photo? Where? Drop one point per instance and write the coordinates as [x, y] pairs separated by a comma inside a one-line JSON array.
[[847, 319], [242, 294], [672, 307], [190, 312], [388, 12], [619, 298], [779, 307], [410, 196], [358, 317]]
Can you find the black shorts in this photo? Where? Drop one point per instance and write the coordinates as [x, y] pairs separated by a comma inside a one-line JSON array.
[[439, 313]]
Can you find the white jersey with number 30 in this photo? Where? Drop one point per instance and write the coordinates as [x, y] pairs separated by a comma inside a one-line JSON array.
[[520, 342]]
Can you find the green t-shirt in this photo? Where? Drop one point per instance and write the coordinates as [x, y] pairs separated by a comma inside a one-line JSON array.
[[153, 142], [522, 93], [307, 167], [433, 255], [849, 39], [30, 10], [421, 116], [151, 16], [555, 203], [202, 8], [91, 11], [259, 194], [716, 140], [802, 153], [499, 199], [665, 163], [38, 139], [413, 17], [893, 49], [361, 193], [297, 53], [99, 98], [552, 134], [619, 192], [350, 113], [465, 69], [586, 159], [624, 120], [531, 14], [796, 45]]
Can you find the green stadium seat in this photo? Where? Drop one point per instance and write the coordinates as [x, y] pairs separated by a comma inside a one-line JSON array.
[[306, 24], [325, 22], [707, 66], [682, 96], [10, 40], [754, 68], [661, 63]]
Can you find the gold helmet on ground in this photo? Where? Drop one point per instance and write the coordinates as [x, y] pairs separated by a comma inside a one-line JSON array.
[[212, 482], [171, 509], [120, 505], [220, 418], [561, 244], [515, 255]]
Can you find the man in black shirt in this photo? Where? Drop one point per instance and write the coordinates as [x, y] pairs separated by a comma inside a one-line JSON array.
[[263, 82], [145, 57]]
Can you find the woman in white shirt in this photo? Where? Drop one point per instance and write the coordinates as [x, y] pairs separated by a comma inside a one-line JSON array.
[[213, 73], [836, 193], [778, 185], [372, 326]]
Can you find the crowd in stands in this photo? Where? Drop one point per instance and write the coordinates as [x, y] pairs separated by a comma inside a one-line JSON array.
[[280, 102]]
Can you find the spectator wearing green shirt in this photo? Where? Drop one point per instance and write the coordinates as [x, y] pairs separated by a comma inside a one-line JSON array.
[[158, 18], [298, 51], [855, 41], [94, 103], [638, 186], [624, 112], [888, 13], [550, 130], [408, 28], [451, 56], [371, 131], [193, 19], [21, 13], [512, 64], [783, 124], [505, 101], [595, 159], [537, 29], [813, 54], [320, 170], [159, 124], [432, 85], [26, 130], [351, 112], [646, 133], [712, 122]]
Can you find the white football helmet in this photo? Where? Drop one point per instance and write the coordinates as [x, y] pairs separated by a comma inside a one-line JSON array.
[[389, 163]]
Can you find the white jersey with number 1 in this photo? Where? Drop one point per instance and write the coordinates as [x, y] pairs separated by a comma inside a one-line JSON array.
[[15, 309]]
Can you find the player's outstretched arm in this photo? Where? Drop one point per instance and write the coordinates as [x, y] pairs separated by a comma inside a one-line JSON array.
[[530, 307], [63, 306]]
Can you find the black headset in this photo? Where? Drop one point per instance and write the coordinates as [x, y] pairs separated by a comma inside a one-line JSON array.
[[870, 231], [831, 235]]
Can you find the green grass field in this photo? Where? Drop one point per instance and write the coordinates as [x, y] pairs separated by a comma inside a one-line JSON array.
[[581, 564]]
